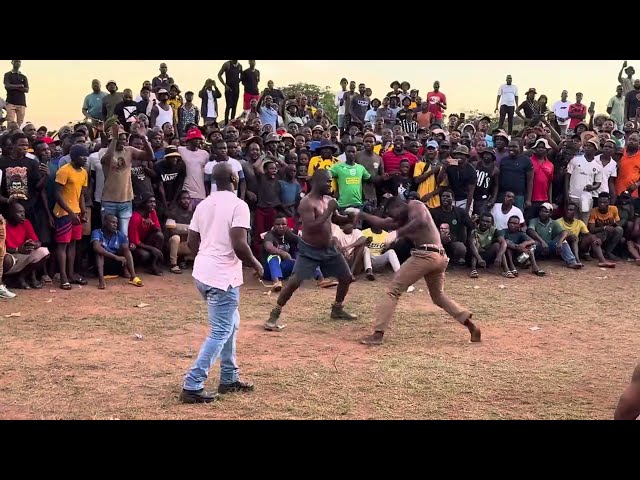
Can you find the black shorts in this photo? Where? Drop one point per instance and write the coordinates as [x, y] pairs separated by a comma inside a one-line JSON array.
[[330, 261], [111, 267]]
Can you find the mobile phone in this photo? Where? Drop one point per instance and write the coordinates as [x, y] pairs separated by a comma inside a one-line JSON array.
[[592, 106]]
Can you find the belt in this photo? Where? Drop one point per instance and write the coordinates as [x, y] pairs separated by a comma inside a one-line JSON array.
[[430, 248]]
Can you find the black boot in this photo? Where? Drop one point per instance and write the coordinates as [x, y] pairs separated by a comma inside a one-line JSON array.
[[197, 396], [235, 387], [339, 313]]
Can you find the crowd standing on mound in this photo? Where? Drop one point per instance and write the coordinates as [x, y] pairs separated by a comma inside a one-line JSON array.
[[114, 195]]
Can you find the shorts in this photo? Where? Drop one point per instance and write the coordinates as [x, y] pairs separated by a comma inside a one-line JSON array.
[[113, 267], [66, 232], [247, 100], [329, 259]]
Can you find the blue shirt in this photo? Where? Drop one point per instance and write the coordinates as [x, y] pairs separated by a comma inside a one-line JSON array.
[[269, 116], [111, 244], [489, 140], [289, 192], [93, 104]]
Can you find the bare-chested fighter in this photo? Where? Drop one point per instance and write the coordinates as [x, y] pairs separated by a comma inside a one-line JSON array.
[[629, 404], [316, 248], [428, 260]]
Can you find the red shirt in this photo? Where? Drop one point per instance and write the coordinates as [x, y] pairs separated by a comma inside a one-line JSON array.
[[391, 161], [18, 234], [542, 178], [576, 110], [434, 108], [139, 228]]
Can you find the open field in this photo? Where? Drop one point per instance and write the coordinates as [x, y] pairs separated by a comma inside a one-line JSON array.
[[77, 356]]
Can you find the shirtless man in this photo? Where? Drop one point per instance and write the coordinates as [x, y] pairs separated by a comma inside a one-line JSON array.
[[317, 211], [428, 260], [629, 404]]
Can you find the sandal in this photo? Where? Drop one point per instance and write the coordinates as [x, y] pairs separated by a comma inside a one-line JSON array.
[[79, 281], [36, 284], [136, 281], [514, 272], [473, 274], [508, 274], [540, 273], [46, 279], [176, 269], [272, 327], [65, 286]]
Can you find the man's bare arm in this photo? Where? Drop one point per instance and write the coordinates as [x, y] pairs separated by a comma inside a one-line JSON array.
[[629, 404], [308, 218], [383, 223]]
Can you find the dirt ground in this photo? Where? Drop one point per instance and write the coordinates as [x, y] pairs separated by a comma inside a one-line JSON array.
[[75, 355]]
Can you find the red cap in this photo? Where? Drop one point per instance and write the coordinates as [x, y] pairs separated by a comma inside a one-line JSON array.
[[47, 140], [194, 133]]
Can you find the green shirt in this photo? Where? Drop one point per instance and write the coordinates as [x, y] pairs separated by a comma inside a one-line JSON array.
[[487, 238], [349, 180], [547, 232]]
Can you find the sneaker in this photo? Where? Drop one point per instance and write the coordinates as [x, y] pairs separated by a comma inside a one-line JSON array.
[[197, 396], [235, 387], [339, 313], [5, 293]]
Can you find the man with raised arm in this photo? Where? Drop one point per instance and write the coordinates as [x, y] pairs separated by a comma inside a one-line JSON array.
[[428, 260]]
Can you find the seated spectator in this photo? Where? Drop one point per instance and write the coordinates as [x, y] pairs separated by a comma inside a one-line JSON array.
[[633, 242], [178, 219], [488, 246], [24, 256], [4, 291], [460, 227], [604, 224], [550, 237], [520, 245], [502, 212], [401, 184], [145, 236], [112, 253], [351, 243], [377, 254]]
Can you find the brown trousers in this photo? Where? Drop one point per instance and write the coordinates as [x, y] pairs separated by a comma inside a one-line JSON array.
[[430, 266], [15, 113]]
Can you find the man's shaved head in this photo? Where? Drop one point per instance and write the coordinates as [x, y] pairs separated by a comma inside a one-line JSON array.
[[222, 175]]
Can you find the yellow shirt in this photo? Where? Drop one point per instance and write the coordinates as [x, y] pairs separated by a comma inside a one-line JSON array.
[[72, 181], [429, 185], [377, 245], [575, 228], [318, 162]]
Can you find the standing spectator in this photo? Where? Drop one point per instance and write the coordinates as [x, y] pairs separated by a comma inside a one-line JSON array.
[[424, 117], [530, 107], [126, 110], [386, 113], [541, 191], [233, 71], [175, 101], [146, 239], [218, 238], [391, 159], [632, 102], [110, 101], [628, 179], [71, 181], [269, 203], [170, 174], [146, 104], [425, 176], [461, 177], [162, 113], [17, 87], [609, 171], [276, 94], [583, 177], [372, 114], [20, 175], [487, 174], [250, 79], [268, 112], [506, 103], [437, 104], [561, 111], [373, 164], [359, 104], [516, 175], [626, 82], [350, 178], [615, 108], [92, 105], [577, 112], [209, 106], [163, 80], [187, 113], [194, 159], [340, 103]]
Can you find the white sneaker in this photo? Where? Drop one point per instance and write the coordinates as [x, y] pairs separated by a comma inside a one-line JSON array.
[[411, 289], [5, 293]]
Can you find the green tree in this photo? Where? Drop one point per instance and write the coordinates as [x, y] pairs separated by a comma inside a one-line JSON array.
[[473, 115], [326, 97]]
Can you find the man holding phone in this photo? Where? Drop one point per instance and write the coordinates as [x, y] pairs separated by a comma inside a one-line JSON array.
[[577, 112]]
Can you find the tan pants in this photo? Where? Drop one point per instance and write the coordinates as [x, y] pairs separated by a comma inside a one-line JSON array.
[[15, 113], [177, 248], [22, 261], [421, 264]]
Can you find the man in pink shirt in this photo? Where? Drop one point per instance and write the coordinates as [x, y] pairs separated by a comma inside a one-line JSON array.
[[218, 238], [542, 179], [437, 103]]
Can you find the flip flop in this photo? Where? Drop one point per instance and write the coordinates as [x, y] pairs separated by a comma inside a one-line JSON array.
[[65, 286], [176, 269], [540, 273], [508, 274], [514, 272], [137, 282], [46, 279], [111, 277], [79, 281], [274, 328], [607, 265], [473, 274]]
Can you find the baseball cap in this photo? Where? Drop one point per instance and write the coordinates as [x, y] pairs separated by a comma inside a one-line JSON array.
[[112, 81], [162, 90], [432, 144], [47, 140], [193, 134], [547, 205], [171, 151], [462, 149], [543, 141], [438, 131], [318, 127]]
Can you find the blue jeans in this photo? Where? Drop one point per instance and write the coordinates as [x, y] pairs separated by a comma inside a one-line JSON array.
[[565, 251], [224, 319], [277, 268], [122, 211]]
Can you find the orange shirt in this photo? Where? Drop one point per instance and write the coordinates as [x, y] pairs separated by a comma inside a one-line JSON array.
[[628, 172]]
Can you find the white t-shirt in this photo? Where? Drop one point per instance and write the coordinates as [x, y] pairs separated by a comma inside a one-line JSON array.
[[582, 173], [235, 166], [194, 162], [561, 110], [341, 108], [216, 263], [343, 238], [500, 220], [611, 170], [508, 94], [94, 165]]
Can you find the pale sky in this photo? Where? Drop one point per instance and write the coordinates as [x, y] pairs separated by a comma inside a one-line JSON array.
[[58, 88]]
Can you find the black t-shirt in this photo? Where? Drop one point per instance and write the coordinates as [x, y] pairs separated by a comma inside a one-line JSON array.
[[268, 192], [20, 179], [180, 215], [15, 97], [141, 182], [157, 83], [404, 115], [484, 181], [250, 81], [287, 243], [171, 177], [631, 99], [459, 222], [359, 107], [276, 94], [401, 186], [530, 108], [232, 75], [126, 112], [460, 177], [513, 175]]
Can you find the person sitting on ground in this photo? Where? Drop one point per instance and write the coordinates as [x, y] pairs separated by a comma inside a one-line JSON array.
[[633, 240], [112, 253], [604, 224], [502, 212], [24, 256], [178, 219], [145, 236], [550, 237], [351, 244], [487, 246], [460, 227], [378, 254], [521, 245], [278, 250]]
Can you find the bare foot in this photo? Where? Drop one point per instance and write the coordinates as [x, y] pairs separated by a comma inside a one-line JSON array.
[[102, 284]]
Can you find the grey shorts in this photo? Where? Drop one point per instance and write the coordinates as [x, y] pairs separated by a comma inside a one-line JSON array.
[[330, 261]]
